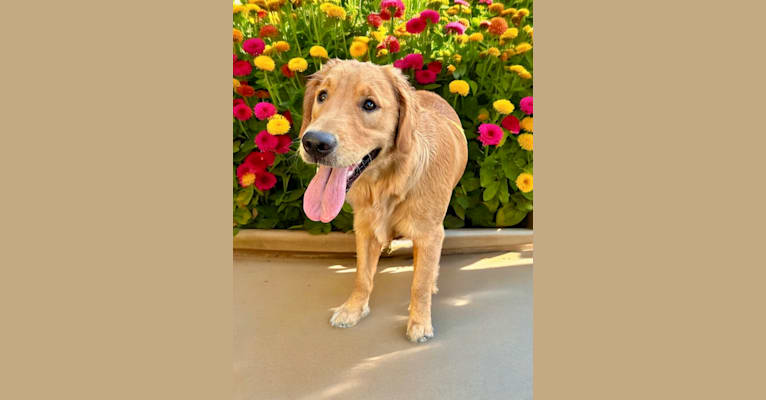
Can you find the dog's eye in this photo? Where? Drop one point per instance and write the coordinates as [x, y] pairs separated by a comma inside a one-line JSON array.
[[369, 105], [322, 96]]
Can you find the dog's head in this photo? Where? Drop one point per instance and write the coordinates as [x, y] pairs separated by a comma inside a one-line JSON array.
[[354, 115]]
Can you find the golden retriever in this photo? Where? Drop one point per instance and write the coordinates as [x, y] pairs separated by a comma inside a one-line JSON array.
[[395, 154]]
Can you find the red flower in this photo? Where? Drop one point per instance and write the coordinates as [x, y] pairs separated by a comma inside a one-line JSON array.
[[246, 175], [288, 116], [425, 76], [265, 180], [484, 24], [390, 43], [242, 112], [262, 94], [238, 101], [268, 31], [286, 71], [266, 141], [490, 134], [511, 124], [387, 5], [435, 67], [245, 90], [284, 144], [260, 160], [242, 68], [416, 25], [374, 20], [254, 46]]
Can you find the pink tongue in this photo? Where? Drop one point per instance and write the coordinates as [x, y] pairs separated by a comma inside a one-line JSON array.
[[325, 195]]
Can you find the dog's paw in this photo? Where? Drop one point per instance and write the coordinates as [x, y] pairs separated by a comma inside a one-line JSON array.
[[347, 316], [419, 332]]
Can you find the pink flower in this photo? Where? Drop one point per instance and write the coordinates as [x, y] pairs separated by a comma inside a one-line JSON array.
[[235, 57], [487, 2], [242, 112], [416, 25], [430, 16], [387, 5], [435, 67], [266, 141], [242, 68], [375, 20], [425, 76], [254, 46], [490, 134], [462, 2], [265, 180], [414, 61], [455, 27], [284, 144], [510, 123], [526, 105], [264, 110]]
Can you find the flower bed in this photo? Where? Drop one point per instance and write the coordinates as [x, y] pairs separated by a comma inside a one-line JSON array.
[[477, 55]]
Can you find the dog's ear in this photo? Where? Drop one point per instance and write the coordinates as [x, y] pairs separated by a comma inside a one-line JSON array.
[[405, 93], [311, 88]]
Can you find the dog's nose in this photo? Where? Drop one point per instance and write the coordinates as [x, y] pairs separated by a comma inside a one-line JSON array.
[[319, 144]]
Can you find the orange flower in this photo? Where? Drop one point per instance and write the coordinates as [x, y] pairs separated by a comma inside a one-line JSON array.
[[497, 26], [262, 94], [238, 36], [269, 31]]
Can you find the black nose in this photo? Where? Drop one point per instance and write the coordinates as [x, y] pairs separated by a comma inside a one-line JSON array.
[[319, 144]]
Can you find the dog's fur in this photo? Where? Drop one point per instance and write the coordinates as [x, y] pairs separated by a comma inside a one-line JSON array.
[[407, 188]]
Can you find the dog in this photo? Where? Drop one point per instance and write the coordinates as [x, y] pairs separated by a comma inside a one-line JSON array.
[[395, 154]]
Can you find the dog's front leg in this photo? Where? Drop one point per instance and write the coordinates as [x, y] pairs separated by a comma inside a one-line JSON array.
[[426, 252], [357, 306]]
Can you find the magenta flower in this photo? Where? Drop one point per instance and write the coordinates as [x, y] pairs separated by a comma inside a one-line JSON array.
[[266, 141], [430, 16], [455, 27], [242, 68], [487, 2], [511, 124], [490, 134], [416, 25], [425, 76], [414, 61], [387, 5], [242, 112], [264, 110], [254, 46], [526, 105]]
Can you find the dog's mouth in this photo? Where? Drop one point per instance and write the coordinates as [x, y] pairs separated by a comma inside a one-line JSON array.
[[326, 192], [354, 174]]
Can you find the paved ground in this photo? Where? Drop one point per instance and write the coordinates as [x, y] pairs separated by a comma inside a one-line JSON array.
[[284, 347]]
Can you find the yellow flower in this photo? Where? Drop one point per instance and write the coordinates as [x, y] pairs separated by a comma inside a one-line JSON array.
[[378, 35], [268, 50], [265, 63], [333, 11], [496, 8], [493, 51], [464, 22], [358, 48], [238, 8], [457, 58], [527, 29], [382, 52], [460, 87], [318, 52], [247, 179], [526, 124], [278, 125], [524, 182], [451, 68], [462, 39], [510, 33], [508, 11], [363, 39], [523, 47], [476, 37], [525, 75], [297, 64], [483, 115], [401, 30], [281, 46], [523, 12], [521, 71], [236, 83], [238, 36], [503, 106], [452, 10], [525, 141]]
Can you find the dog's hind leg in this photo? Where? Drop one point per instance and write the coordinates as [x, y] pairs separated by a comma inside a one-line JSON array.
[[357, 306]]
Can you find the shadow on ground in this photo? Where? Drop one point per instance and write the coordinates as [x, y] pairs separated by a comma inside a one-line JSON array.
[[284, 347]]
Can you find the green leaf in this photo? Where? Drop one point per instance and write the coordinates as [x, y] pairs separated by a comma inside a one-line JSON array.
[[491, 191], [459, 211], [431, 86], [502, 193], [452, 222], [470, 183], [509, 216], [520, 159], [242, 215], [244, 196], [463, 201]]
